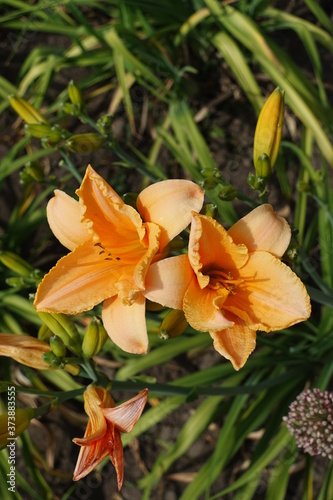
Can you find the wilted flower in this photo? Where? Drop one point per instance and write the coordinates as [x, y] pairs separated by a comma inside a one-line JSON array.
[[233, 283], [24, 349], [310, 421], [102, 436], [111, 251]]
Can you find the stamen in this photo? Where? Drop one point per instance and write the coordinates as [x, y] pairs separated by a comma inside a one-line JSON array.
[[99, 244], [220, 279]]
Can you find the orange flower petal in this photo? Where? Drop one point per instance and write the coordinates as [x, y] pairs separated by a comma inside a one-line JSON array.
[[126, 324], [81, 280], [95, 399], [95, 444], [262, 229], [117, 457], [202, 309], [126, 415], [235, 344], [210, 248], [152, 241], [117, 225], [167, 281], [271, 297], [89, 457], [169, 204], [64, 215]]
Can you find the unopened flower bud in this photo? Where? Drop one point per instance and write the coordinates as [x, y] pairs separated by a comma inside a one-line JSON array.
[[73, 369], [74, 94], [38, 130], [57, 346], [130, 199], [104, 124], [44, 333], [94, 339], [52, 359], [267, 137], [209, 183], [69, 109], [62, 326], [26, 111], [173, 325], [55, 135], [15, 263], [227, 193], [22, 420], [263, 167], [85, 143]]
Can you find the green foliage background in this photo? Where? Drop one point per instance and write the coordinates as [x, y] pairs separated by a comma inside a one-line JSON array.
[[150, 62]]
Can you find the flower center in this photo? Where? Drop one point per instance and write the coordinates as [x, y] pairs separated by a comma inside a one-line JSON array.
[[223, 282], [106, 255]]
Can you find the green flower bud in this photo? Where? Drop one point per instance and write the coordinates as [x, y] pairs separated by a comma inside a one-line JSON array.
[[255, 182], [85, 143], [55, 135], [104, 124], [74, 94], [173, 325], [38, 130], [26, 111], [57, 346], [69, 109], [62, 326], [263, 167], [51, 359], [94, 339], [227, 193], [72, 369], [44, 333], [209, 183], [130, 199]]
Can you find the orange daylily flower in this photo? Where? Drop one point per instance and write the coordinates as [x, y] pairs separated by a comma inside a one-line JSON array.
[[111, 251], [24, 349], [102, 436], [233, 283]]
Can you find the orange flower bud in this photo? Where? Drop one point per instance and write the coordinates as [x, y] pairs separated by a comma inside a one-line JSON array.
[[267, 137]]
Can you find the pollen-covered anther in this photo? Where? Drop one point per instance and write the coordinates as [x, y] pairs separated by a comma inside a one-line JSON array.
[[220, 279]]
